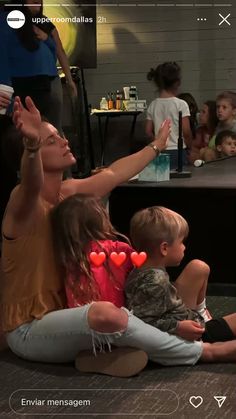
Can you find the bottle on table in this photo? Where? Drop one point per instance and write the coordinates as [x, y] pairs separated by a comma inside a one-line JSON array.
[[110, 101], [104, 104], [113, 100], [118, 100]]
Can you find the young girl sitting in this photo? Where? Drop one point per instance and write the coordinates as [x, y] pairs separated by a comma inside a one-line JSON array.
[[180, 308], [81, 226], [167, 78], [193, 108], [208, 121]]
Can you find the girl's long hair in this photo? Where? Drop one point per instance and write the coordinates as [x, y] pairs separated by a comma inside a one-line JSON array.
[[76, 222], [213, 120], [26, 33], [193, 107]]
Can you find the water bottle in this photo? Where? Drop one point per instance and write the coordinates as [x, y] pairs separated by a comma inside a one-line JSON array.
[[104, 104]]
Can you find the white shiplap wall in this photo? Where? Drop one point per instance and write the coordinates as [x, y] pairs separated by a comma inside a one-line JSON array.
[[135, 38]]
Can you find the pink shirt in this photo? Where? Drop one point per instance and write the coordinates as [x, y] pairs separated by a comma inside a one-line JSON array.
[[111, 286]]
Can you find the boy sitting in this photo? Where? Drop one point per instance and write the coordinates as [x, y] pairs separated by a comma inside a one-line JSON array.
[[225, 146], [178, 309]]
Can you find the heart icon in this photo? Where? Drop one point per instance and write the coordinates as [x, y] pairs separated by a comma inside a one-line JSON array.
[[138, 259], [118, 258], [97, 258], [196, 401]]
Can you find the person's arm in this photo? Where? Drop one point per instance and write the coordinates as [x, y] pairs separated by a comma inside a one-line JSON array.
[[208, 154], [43, 36], [149, 129], [151, 300], [187, 134], [198, 141], [28, 121], [186, 128], [63, 60], [196, 146], [189, 330], [51, 44], [121, 170], [147, 294]]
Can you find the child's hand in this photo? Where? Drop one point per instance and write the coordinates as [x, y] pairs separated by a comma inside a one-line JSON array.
[[189, 330]]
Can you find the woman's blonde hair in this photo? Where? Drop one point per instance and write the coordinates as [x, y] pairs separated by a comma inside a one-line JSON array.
[[154, 225], [76, 222]]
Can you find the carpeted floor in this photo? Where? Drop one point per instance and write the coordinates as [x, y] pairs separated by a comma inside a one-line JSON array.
[[156, 392]]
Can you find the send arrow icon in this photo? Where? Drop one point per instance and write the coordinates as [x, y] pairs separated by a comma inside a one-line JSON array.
[[220, 400]]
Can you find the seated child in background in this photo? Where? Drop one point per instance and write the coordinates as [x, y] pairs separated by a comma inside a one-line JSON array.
[[225, 146], [167, 78], [178, 309], [80, 226], [226, 113], [193, 108], [208, 121]]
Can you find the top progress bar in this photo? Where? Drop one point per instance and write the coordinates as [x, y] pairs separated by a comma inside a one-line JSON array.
[[130, 4]]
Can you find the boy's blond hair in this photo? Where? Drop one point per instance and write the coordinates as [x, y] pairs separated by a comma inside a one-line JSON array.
[[228, 95], [154, 225]]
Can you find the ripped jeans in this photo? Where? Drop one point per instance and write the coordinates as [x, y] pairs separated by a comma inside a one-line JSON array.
[[60, 335]]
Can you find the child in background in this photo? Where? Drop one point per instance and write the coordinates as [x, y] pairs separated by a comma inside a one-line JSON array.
[[226, 113], [225, 146], [178, 309], [208, 122], [167, 78], [193, 108], [80, 226]]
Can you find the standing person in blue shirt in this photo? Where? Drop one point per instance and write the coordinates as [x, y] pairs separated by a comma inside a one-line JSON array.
[[29, 56]]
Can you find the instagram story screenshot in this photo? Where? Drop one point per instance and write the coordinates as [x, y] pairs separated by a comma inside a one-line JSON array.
[[117, 181]]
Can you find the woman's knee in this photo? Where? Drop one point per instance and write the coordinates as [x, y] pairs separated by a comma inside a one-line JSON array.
[[105, 317]]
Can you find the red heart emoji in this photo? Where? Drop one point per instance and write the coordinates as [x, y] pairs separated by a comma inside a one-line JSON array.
[[138, 259], [118, 258], [97, 258]]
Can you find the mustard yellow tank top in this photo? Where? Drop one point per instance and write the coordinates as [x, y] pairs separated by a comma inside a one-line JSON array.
[[31, 285]]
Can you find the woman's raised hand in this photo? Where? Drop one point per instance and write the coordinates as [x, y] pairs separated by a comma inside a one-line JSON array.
[[162, 137], [27, 120]]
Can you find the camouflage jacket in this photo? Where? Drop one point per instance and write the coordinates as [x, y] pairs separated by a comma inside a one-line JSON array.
[[152, 298]]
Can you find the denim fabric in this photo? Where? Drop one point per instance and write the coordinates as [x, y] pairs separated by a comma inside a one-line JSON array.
[[60, 335]]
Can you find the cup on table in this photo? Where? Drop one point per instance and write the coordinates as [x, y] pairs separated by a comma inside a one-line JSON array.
[[126, 92], [8, 92]]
